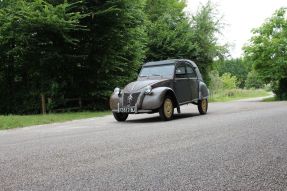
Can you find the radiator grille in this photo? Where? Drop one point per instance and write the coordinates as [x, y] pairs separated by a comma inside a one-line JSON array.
[[130, 100]]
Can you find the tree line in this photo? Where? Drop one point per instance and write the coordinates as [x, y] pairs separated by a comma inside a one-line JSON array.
[[59, 49]]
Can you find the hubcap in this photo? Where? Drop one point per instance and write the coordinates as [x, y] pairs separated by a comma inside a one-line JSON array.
[[168, 107], [204, 105]]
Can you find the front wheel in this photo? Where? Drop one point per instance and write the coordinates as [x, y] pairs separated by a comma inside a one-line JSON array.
[[167, 109], [203, 106], [120, 116]]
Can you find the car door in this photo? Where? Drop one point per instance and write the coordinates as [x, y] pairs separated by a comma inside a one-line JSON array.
[[181, 84], [193, 82]]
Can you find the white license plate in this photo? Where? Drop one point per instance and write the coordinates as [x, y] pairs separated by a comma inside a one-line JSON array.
[[127, 109]]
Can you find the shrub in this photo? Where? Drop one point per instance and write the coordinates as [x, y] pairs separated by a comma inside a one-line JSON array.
[[228, 81]]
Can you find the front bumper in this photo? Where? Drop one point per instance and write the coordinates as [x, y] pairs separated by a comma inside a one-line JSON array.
[[143, 104], [120, 104]]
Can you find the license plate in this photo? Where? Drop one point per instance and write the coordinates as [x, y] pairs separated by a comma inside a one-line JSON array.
[[127, 109]]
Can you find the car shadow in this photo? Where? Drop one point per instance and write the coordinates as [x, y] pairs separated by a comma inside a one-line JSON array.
[[157, 118]]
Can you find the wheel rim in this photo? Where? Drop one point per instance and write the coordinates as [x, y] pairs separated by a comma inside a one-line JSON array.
[[204, 105], [168, 107]]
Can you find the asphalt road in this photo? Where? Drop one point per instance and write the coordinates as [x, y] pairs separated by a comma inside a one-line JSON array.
[[238, 146]]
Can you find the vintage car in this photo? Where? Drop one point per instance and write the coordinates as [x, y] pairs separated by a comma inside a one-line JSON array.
[[161, 87]]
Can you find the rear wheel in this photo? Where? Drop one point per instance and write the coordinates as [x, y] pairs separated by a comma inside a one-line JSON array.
[[120, 116], [166, 111], [203, 106]]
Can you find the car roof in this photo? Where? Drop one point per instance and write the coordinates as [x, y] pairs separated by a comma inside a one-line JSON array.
[[167, 62]]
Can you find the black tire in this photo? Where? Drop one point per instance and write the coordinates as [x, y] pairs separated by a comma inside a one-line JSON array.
[[166, 110], [120, 116], [203, 106]]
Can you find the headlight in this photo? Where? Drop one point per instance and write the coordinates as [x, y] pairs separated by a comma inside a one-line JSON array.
[[147, 90], [117, 91]]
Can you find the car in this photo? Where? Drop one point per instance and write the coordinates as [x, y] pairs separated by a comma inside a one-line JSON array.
[[161, 86]]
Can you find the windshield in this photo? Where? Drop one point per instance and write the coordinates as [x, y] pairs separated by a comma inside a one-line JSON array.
[[166, 70]]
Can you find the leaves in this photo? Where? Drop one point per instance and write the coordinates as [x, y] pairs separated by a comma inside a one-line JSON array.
[[173, 35], [267, 51]]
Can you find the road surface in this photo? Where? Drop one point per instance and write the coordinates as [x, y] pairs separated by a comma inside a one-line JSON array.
[[239, 145]]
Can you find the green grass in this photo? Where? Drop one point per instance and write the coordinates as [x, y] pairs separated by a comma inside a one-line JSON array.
[[14, 121], [236, 94], [270, 99]]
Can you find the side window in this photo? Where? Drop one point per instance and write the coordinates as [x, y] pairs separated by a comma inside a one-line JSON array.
[[190, 72], [180, 72]]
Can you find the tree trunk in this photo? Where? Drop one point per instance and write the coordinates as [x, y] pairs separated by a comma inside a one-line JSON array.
[[43, 104]]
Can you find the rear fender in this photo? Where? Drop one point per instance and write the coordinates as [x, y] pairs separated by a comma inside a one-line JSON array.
[[203, 91]]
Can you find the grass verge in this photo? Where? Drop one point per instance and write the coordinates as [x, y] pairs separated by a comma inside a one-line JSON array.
[[14, 121], [236, 94], [270, 99]]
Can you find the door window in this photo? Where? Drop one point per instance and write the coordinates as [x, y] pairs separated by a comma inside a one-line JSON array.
[[180, 72], [190, 72]]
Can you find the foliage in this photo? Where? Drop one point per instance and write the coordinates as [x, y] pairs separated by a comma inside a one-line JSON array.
[[216, 83], [229, 81], [32, 37], [206, 27], [268, 51], [173, 35], [236, 67], [253, 80], [221, 83], [168, 30], [45, 49]]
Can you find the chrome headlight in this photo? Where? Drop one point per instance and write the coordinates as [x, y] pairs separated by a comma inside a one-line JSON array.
[[148, 90], [117, 91]]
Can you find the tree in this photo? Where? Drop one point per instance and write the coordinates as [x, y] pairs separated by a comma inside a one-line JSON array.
[[34, 44], [253, 80], [173, 35], [169, 30], [236, 67], [68, 50], [114, 45], [268, 51], [206, 26]]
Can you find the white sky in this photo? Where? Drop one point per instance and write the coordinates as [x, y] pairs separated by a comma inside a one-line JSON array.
[[240, 17]]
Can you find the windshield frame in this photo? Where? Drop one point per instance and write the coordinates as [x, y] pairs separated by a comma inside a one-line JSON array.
[[157, 76]]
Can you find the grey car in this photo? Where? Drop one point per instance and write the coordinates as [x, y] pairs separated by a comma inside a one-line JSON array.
[[161, 87]]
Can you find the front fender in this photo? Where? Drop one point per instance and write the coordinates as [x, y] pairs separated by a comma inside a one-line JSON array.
[[154, 100]]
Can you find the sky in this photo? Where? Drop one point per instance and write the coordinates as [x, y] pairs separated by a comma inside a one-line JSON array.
[[240, 17]]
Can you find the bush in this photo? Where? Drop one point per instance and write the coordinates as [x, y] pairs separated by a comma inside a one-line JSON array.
[[236, 67], [229, 81]]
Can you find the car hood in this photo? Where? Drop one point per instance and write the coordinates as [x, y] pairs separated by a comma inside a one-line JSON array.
[[140, 84]]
